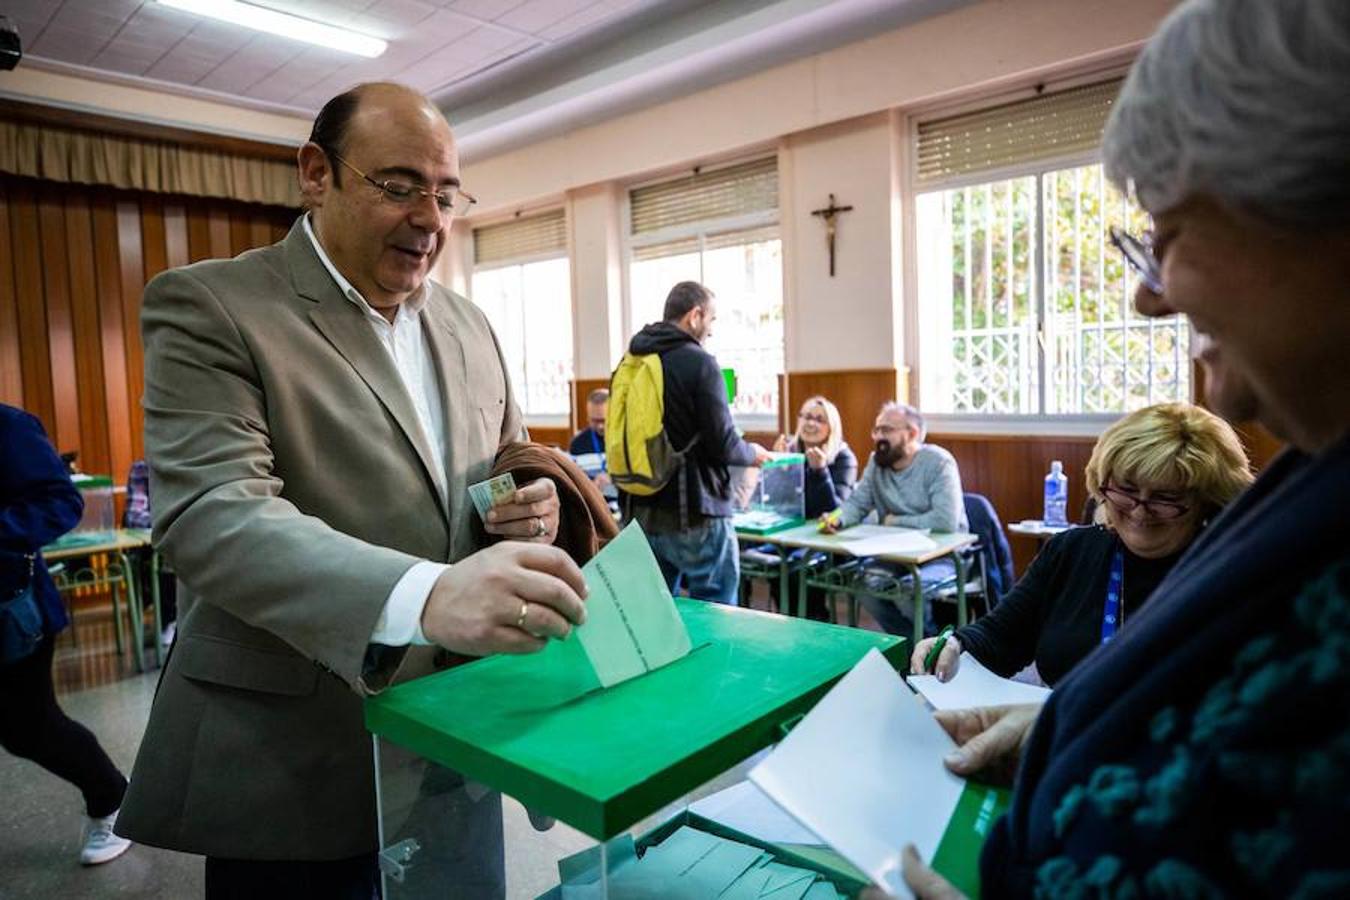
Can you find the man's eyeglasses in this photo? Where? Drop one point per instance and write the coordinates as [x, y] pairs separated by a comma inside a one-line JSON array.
[[1128, 502], [450, 201], [1138, 252]]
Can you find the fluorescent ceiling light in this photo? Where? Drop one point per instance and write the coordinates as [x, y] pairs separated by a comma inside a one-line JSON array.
[[283, 24]]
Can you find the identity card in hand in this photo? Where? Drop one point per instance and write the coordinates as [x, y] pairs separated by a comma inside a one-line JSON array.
[[632, 626], [490, 493]]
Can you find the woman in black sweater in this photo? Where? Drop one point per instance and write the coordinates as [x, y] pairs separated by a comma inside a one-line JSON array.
[[831, 473], [1158, 476]]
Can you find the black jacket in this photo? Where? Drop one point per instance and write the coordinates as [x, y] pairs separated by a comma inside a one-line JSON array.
[[1053, 616], [828, 487], [695, 401]]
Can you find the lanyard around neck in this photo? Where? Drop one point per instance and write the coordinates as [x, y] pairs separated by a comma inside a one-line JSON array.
[[1113, 616]]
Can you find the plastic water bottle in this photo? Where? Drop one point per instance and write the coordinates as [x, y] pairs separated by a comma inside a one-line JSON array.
[[1056, 495]]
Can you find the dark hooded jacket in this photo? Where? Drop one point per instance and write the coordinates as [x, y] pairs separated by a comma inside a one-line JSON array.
[[695, 404]]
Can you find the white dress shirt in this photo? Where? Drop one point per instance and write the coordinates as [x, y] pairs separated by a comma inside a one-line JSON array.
[[401, 621]]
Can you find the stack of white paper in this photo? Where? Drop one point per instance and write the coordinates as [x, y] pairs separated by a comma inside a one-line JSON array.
[[974, 685], [864, 771]]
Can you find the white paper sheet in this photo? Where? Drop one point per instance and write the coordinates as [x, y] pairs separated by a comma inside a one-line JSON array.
[[749, 810], [864, 771], [877, 540], [974, 685]]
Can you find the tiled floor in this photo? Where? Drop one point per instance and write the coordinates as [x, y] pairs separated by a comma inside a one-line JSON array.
[[41, 815]]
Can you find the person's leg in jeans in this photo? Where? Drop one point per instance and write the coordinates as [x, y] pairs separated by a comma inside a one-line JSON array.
[[706, 556], [33, 726], [714, 569]]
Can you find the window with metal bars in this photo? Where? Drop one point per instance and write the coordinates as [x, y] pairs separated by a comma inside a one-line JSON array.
[[718, 227], [1025, 309], [522, 282]]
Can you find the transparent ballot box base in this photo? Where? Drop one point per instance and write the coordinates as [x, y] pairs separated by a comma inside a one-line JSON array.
[[444, 836]]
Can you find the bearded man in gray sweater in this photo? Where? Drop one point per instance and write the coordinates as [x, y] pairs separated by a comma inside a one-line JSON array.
[[909, 484]]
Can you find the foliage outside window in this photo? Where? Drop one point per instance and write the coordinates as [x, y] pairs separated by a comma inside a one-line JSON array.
[[1025, 308]]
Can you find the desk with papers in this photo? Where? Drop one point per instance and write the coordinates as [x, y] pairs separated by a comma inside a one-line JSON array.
[[837, 557]]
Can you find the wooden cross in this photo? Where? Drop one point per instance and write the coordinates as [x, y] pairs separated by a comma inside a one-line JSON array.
[[829, 214]]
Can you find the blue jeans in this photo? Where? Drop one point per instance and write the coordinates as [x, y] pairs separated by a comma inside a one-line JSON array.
[[707, 557]]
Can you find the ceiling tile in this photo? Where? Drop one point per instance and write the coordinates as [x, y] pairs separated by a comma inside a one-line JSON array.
[[536, 15], [593, 15], [487, 10]]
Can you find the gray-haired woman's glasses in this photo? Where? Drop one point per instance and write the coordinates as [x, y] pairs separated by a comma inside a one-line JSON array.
[[1138, 253]]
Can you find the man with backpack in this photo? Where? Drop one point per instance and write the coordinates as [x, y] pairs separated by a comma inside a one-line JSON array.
[[669, 441]]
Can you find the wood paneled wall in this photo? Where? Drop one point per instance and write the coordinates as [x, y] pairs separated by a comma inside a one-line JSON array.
[[858, 393], [581, 389], [1010, 470], [74, 260]]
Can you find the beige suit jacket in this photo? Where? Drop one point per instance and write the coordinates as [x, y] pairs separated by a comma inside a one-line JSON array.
[[292, 488]]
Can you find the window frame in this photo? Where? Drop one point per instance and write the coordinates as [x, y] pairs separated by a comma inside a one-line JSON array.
[[700, 231], [1032, 424], [539, 420]]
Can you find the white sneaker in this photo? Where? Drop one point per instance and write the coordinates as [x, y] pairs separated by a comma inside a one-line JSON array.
[[100, 844]]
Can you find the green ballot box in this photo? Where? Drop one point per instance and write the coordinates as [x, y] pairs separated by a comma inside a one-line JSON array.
[[540, 730]]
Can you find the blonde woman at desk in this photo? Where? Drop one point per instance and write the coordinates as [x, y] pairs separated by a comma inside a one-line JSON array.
[[831, 473], [1158, 475]]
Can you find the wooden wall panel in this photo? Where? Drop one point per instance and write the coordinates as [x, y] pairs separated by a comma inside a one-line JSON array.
[[60, 325], [74, 260], [557, 437], [1010, 470], [34, 349], [112, 331], [91, 395], [858, 393], [581, 389], [11, 366]]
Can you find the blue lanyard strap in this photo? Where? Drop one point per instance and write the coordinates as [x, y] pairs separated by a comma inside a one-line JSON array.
[[595, 442], [1115, 585]]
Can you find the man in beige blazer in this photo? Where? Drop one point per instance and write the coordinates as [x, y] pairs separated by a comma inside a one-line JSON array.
[[314, 413]]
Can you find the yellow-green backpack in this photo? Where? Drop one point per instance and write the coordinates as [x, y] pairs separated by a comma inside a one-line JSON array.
[[639, 456]]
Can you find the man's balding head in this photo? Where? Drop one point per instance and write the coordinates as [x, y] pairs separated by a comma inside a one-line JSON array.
[[380, 176]]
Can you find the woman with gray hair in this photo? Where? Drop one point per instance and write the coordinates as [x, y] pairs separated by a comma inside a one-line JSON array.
[[1206, 751]]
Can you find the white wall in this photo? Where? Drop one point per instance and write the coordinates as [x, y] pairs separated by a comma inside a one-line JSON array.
[[838, 120], [975, 48], [847, 317]]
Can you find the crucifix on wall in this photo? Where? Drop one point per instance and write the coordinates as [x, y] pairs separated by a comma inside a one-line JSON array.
[[829, 214]]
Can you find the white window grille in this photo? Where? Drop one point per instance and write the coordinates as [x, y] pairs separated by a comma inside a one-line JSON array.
[[719, 228], [522, 282], [1024, 306]]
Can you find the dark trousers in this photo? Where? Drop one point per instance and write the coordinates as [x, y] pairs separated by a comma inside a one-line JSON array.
[[356, 878], [34, 727]]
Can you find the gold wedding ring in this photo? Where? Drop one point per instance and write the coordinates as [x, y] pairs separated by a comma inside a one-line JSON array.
[[524, 611]]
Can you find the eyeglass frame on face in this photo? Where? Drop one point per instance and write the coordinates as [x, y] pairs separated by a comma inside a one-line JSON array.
[[1138, 252], [818, 418], [1163, 510], [390, 190]]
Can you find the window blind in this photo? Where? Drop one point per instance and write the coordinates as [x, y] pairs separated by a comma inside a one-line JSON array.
[[521, 238], [711, 242], [1023, 132], [706, 196]]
